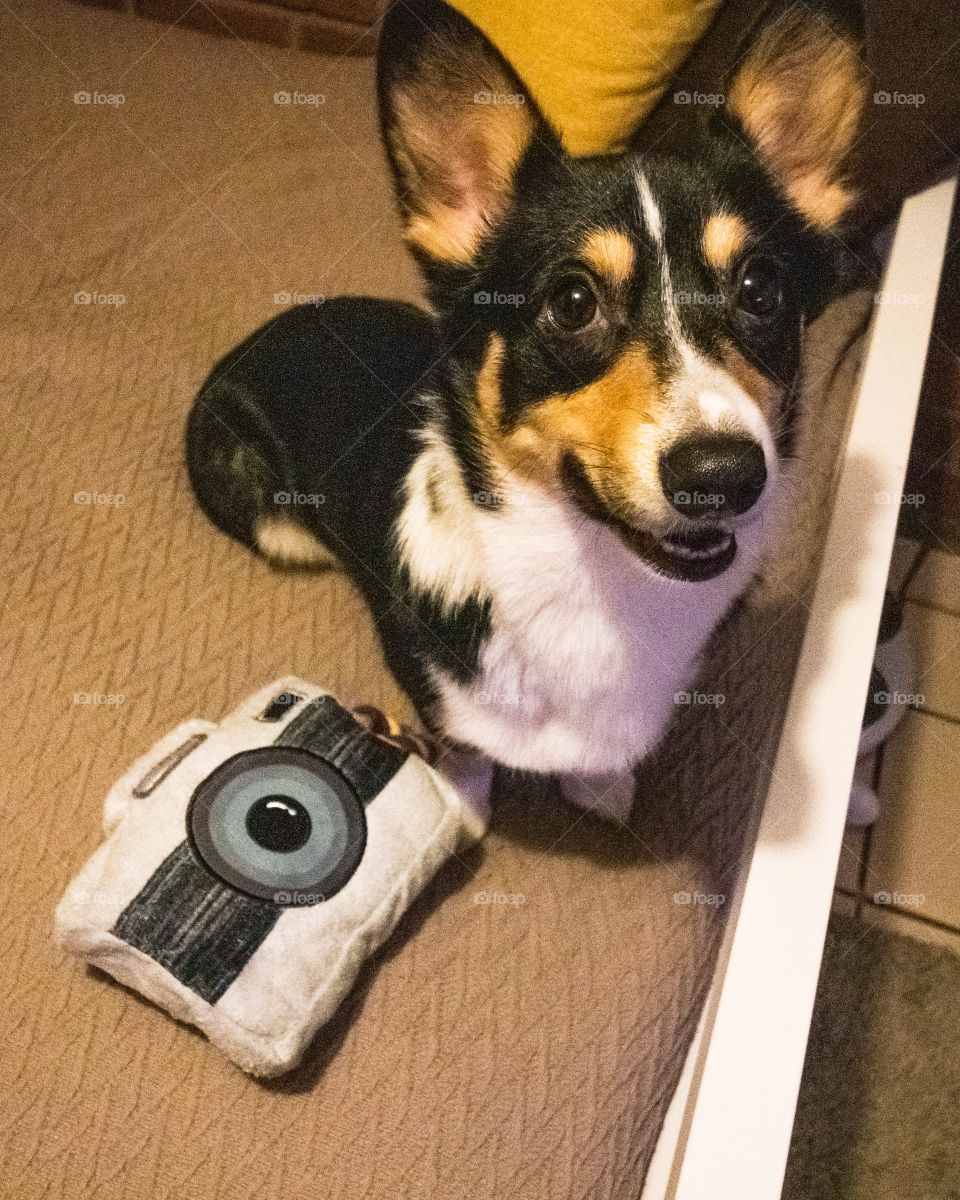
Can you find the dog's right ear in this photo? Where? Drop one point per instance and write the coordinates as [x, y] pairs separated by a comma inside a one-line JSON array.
[[456, 123], [800, 95]]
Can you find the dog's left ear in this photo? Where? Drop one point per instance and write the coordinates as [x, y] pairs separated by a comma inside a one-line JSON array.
[[799, 96], [456, 122]]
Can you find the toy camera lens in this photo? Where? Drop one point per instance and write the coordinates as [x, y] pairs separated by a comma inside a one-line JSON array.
[[280, 824]]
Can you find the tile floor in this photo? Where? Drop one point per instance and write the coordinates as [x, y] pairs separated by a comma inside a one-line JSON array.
[[904, 873]]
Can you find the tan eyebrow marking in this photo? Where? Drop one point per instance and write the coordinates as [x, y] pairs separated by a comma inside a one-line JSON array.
[[610, 254], [724, 237]]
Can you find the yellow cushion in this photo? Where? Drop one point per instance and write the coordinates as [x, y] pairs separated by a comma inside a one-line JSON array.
[[596, 70]]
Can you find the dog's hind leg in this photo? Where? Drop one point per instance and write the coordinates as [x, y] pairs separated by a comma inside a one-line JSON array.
[[238, 473]]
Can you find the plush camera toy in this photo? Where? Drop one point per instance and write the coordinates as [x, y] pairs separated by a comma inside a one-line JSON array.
[[250, 867]]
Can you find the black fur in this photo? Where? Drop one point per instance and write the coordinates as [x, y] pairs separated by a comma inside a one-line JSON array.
[[330, 401], [556, 201], [321, 403]]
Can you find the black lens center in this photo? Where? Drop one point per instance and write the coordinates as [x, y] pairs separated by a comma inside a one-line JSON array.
[[279, 823]]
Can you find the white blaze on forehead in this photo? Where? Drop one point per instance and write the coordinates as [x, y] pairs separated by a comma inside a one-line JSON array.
[[654, 223], [720, 402], [650, 209]]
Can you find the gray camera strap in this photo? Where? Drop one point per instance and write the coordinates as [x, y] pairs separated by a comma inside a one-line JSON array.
[[325, 728], [202, 930]]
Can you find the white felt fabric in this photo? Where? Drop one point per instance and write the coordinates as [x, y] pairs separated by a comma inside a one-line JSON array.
[[307, 964]]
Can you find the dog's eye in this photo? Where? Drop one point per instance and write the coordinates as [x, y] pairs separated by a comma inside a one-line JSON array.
[[761, 293], [572, 304]]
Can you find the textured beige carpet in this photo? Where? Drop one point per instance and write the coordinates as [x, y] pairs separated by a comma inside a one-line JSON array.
[[879, 1113], [491, 1051]]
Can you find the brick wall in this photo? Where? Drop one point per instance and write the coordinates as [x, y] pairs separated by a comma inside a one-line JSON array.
[[331, 26]]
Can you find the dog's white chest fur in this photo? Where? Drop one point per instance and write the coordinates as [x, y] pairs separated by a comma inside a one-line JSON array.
[[588, 645]]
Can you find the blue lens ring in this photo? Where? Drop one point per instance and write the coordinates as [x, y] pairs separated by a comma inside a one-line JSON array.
[[216, 826]]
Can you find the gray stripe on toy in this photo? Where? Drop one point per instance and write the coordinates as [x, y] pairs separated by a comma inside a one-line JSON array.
[[251, 866]]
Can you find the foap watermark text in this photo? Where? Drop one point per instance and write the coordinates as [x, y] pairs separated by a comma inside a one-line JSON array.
[[714, 698], [501, 899], [111, 499], [310, 499], [695, 899], [300, 99]]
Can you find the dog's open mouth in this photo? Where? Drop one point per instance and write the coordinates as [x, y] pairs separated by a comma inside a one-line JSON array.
[[693, 555]]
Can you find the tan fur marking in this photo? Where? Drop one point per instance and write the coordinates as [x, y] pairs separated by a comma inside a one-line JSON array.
[[521, 452], [443, 235], [724, 237], [488, 388], [613, 426], [605, 413], [610, 254], [764, 392], [823, 206], [800, 96], [460, 158]]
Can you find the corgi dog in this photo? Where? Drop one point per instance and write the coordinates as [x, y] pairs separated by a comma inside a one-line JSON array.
[[554, 485]]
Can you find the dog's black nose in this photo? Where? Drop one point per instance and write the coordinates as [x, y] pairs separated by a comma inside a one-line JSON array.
[[713, 475]]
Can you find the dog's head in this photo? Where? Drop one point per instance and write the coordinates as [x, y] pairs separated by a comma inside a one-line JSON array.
[[626, 330]]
